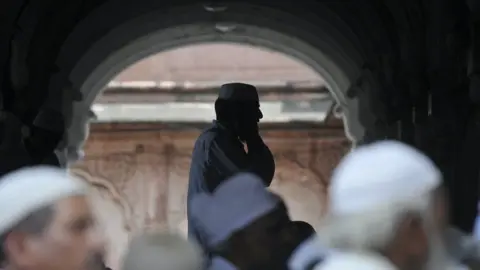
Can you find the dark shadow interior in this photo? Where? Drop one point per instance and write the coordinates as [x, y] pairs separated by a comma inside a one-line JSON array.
[[402, 70]]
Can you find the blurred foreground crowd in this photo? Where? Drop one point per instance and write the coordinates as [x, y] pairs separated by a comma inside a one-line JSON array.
[[387, 210]]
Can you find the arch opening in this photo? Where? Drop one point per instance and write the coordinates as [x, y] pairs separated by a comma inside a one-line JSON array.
[[183, 84], [131, 37]]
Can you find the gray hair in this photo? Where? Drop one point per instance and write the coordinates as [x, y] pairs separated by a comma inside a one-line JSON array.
[[153, 251]]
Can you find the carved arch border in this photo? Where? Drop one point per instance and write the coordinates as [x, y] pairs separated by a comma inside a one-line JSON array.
[[116, 195]]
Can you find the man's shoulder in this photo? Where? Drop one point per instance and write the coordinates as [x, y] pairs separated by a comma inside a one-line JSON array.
[[207, 138], [210, 134]]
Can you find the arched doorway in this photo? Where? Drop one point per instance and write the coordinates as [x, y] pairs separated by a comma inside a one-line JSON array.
[[150, 114]]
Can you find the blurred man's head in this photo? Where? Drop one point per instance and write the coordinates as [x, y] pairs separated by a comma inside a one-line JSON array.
[[46, 222], [243, 222], [384, 198], [153, 250], [238, 106]]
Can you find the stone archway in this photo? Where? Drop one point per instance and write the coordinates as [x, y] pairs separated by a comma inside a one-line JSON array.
[[113, 213]]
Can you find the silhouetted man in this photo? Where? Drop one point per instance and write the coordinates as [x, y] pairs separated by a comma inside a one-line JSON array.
[[219, 152]]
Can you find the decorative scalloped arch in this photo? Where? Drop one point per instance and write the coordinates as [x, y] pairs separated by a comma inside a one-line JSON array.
[[115, 194]]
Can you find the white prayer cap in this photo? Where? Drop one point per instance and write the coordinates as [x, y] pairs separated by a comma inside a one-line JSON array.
[[234, 204], [154, 250], [238, 92], [26, 190], [380, 173]]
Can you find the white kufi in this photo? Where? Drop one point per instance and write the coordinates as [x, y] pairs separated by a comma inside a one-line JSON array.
[[380, 173], [26, 190]]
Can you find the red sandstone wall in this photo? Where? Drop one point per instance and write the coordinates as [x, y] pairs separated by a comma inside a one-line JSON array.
[[139, 178], [219, 62]]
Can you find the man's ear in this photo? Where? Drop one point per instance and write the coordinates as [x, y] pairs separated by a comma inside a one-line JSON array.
[[16, 248]]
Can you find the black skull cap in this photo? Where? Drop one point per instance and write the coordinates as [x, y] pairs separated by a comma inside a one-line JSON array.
[[238, 92]]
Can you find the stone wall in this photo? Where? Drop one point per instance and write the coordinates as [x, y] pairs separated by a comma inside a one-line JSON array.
[[220, 62], [139, 176]]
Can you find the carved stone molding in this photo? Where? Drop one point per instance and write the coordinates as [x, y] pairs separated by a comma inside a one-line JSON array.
[[117, 167], [115, 195]]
